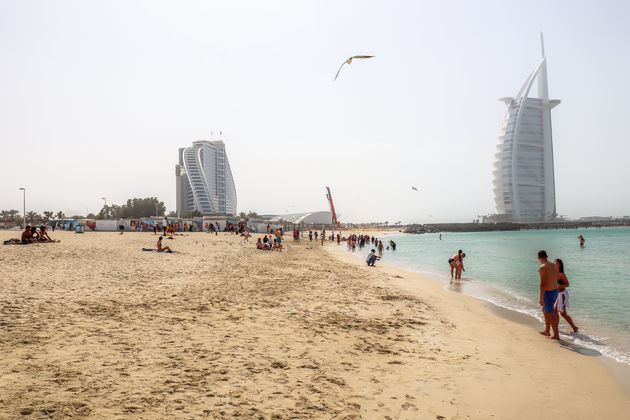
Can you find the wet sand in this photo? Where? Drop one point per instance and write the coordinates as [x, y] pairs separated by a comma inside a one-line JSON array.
[[95, 327]]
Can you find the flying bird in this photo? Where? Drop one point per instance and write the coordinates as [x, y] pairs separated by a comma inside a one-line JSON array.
[[414, 188], [349, 61]]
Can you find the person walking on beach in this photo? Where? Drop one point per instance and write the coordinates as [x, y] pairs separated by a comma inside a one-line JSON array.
[[310, 235], [548, 272], [562, 303], [582, 241], [121, 226]]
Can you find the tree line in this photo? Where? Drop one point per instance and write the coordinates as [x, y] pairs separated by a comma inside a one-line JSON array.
[[134, 208], [15, 216]]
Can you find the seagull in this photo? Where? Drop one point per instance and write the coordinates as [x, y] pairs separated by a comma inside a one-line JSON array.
[[349, 61], [414, 188]]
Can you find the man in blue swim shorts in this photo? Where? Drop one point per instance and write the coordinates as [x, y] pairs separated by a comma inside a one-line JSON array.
[[548, 294]]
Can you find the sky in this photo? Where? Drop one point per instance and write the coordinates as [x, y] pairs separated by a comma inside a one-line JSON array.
[[96, 98]]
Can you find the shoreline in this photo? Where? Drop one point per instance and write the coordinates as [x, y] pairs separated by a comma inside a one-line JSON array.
[[617, 372], [597, 333]]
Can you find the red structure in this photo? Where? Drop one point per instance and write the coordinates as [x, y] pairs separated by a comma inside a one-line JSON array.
[[332, 208]]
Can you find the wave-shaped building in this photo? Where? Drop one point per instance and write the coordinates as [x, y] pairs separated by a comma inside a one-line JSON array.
[[204, 180], [524, 185]]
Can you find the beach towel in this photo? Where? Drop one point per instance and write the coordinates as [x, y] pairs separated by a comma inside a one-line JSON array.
[[155, 250]]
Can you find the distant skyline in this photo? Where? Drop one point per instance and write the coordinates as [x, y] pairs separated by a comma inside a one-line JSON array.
[[97, 97]]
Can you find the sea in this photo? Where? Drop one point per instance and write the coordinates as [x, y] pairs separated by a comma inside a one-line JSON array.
[[501, 268]]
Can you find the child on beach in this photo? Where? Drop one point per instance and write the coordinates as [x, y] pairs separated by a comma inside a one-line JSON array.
[[562, 302]]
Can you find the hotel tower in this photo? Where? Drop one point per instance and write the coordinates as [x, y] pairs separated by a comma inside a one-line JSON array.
[[204, 180], [524, 186]]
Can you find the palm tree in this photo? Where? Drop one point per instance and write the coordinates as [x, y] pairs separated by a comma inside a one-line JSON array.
[[5, 214], [32, 216], [13, 214], [48, 215], [61, 215]]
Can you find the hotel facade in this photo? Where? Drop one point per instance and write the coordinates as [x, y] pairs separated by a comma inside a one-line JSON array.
[[524, 184], [204, 180]]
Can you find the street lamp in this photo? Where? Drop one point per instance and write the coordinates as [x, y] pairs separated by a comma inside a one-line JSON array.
[[105, 200], [156, 210], [24, 208]]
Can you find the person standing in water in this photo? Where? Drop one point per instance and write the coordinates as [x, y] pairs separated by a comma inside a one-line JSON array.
[[456, 263], [549, 274], [582, 241], [562, 303]]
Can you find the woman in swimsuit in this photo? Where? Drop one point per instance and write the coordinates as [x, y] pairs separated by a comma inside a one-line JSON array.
[[562, 302], [161, 248], [457, 264]]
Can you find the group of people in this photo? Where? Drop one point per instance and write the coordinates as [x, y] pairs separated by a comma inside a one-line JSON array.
[[32, 234], [268, 242]]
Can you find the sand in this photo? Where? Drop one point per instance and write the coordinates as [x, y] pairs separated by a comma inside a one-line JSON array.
[[95, 327]]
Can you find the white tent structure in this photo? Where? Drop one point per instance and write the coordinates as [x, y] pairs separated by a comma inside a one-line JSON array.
[[312, 218]]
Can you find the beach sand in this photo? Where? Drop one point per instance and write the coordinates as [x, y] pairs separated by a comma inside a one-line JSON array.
[[93, 326]]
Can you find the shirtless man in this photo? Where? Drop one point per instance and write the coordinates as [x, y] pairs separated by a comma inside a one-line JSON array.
[[548, 294], [27, 235]]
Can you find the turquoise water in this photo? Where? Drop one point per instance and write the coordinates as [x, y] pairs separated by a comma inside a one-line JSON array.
[[501, 267]]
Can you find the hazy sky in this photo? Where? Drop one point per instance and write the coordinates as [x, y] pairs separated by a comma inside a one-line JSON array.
[[97, 97]]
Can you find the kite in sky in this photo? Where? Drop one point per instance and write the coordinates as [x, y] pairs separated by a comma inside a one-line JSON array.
[[414, 188], [349, 61]]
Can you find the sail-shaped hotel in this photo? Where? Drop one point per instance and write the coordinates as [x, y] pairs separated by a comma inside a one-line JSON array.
[[524, 185]]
